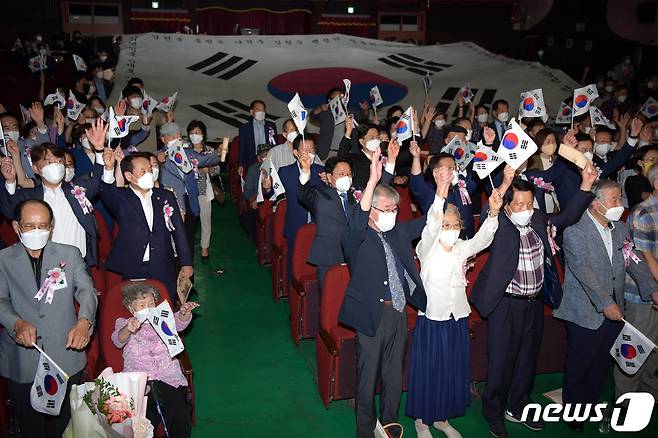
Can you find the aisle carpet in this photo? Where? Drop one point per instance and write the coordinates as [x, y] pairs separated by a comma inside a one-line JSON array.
[[252, 381]]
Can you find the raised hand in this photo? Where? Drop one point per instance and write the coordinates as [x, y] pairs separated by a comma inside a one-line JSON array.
[[186, 310], [589, 175], [133, 325], [349, 126], [636, 126], [375, 166], [120, 108], [428, 114], [108, 158], [36, 112], [570, 138], [12, 148], [495, 202], [305, 162], [489, 135], [171, 114], [58, 118], [8, 170], [414, 149], [443, 179], [119, 155], [96, 134], [393, 150]]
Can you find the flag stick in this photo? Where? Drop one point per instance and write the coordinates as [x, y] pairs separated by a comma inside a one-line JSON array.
[[34, 344], [491, 181]]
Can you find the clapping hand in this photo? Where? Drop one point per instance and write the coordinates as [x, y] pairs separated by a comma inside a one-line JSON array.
[[186, 310]]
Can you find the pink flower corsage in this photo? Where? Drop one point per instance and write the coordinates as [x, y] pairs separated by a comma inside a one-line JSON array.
[[552, 232], [466, 198], [270, 134], [168, 212], [468, 264], [56, 277], [81, 197], [357, 195], [627, 251], [539, 182]]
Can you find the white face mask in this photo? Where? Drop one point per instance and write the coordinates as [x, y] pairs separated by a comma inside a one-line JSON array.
[[311, 157], [439, 123], [99, 110], [521, 218], [69, 174], [135, 102], [291, 136], [102, 58], [142, 315], [622, 98], [602, 149], [469, 134], [449, 237], [90, 120], [146, 181], [589, 155], [12, 135], [99, 74], [503, 117], [53, 173], [156, 172], [85, 143], [373, 144], [259, 115], [170, 143], [587, 129], [343, 184], [613, 214], [455, 178], [196, 138], [386, 221], [609, 88], [482, 118], [35, 239]]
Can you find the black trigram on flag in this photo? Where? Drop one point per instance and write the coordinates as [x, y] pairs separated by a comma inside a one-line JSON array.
[[156, 320], [630, 364], [46, 366], [480, 166], [172, 341], [413, 64], [164, 314], [59, 378], [524, 144], [50, 404], [230, 111], [640, 349], [223, 65], [449, 98], [513, 156], [626, 337], [590, 91], [39, 391], [494, 158]]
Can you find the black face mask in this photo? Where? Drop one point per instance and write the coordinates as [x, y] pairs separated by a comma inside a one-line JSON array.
[[85, 89]]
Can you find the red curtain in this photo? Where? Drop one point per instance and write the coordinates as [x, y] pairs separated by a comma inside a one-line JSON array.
[[153, 20], [360, 26], [222, 21]]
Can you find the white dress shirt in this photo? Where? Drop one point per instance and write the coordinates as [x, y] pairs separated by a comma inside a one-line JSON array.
[[147, 207], [67, 229], [606, 235]]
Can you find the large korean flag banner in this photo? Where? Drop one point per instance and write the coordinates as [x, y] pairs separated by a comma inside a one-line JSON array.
[[516, 146], [218, 76]]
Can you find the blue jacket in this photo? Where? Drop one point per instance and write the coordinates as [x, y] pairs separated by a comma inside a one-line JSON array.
[[247, 148], [24, 146], [296, 213], [365, 294], [128, 249]]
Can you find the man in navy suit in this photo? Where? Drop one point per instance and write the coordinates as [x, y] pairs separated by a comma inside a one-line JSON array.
[[500, 115], [384, 277], [254, 132], [509, 291], [71, 202]]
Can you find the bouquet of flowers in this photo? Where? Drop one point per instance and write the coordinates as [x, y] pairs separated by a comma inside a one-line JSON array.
[[112, 406]]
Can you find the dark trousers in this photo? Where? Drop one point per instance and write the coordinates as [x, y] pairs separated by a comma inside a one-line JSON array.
[[514, 331], [380, 355], [588, 361], [174, 407], [191, 222], [321, 272], [33, 424]]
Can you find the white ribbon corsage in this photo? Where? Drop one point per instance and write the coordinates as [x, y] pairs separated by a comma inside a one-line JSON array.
[[168, 212], [627, 251], [81, 197], [56, 279]]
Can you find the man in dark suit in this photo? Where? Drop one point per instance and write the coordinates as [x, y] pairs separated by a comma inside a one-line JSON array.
[[384, 277], [330, 134], [254, 132], [500, 115], [509, 292], [148, 218], [71, 203]]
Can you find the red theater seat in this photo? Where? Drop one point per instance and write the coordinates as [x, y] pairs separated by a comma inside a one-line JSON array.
[[7, 232], [303, 298], [279, 252], [264, 233], [233, 177], [405, 212]]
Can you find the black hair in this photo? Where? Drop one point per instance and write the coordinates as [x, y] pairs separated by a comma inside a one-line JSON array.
[[134, 81], [255, 102], [131, 90], [197, 124], [332, 162], [127, 162], [332, 91], [584, 137], [534, 122], [392, 110], [39, 151], [363, 129], [494, 106], [297, 142], [433, 164], [481, 105], [95, 97], [455, 128], [518, 185], [285, 122], [18, 211], [639, 154], [605, 129], [461, 119]]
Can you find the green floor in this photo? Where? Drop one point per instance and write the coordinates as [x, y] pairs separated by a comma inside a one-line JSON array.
[[252, 381]]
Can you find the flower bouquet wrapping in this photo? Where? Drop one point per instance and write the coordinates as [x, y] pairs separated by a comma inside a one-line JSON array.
[[112, 406]]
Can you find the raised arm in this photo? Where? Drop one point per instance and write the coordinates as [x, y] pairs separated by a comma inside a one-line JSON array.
[[572, 212], [487, 231]]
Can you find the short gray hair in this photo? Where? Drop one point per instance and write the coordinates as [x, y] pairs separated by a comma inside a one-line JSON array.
[[602, 185], [652, 175], [136, 290], [453, 209], [386, 191], [170, 129]]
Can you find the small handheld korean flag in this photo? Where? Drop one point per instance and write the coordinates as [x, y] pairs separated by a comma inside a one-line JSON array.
[[631, 349], [38, 63], [375, 97], [583, 98], [563, 116], [119, 124], [163, 322], [404, 128], [337, 110], [73, 107], [532, 104], [56, 98], [277, 186], [49, 386], [3, 143], [167, 103], [298, 113], [650, 108], [25, 113], [597, 118], [427, 83], [346, 96], [485, 160], [516, 146], [80, 64], [148, 105], [460, 150], [177, 154], [467, 93]]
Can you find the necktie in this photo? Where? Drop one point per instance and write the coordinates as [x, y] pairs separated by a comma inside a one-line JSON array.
[[343, 198], [394, 282]]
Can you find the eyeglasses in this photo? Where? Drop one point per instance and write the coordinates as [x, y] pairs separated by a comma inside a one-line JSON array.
[[341, 174], [395, 210], [452, 227], [32, 227]]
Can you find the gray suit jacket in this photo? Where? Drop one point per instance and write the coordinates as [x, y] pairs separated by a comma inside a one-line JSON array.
[[52, 321], [590, 280]]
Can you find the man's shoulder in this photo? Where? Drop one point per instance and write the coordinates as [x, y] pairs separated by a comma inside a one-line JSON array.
[[246, 125], [289, 170]]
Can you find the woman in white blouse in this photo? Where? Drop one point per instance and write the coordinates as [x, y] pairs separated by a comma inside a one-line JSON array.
[[439, 370]]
